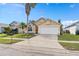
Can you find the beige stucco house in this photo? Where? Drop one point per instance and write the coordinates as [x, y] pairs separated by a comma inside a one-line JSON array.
[[44, 26]]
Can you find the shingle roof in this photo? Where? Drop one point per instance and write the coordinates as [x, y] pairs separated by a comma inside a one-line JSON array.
[[72, 24], [14, 23], [53, 21], [42, 18]]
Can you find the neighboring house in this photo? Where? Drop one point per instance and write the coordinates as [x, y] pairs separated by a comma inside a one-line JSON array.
[[73, 28], [2, 27], [16, 25], [44, 26]]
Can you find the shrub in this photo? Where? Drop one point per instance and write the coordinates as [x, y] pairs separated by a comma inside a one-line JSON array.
[[77, 32]]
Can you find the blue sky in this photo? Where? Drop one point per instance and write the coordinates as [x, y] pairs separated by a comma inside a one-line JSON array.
[[67, 12]]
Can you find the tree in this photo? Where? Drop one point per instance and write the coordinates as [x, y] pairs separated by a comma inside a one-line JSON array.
[[28, 8], [59, 21], [7, 30], [61, 30], [23, 25]]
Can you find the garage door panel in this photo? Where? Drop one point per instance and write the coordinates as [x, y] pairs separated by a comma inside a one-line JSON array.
[[48, 30]]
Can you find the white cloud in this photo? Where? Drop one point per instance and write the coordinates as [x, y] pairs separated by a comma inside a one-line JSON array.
[[16, 4], [3, 3], [19, 5], [72, 5], [68, 22]]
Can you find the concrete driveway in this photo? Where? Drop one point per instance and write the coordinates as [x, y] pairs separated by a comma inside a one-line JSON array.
[[41, 44], [47, 41]]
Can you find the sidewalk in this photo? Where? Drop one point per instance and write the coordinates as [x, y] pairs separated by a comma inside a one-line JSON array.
[[68, 41], [17, 38]]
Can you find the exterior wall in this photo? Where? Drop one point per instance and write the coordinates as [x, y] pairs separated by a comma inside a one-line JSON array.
[[72, 30], [25, 30], [33, 29], [20, 30], [77, 27]]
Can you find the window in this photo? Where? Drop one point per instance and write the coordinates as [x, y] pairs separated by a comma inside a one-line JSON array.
[[30, 28]]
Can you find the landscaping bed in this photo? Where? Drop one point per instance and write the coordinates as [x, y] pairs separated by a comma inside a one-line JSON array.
[[70, 46]]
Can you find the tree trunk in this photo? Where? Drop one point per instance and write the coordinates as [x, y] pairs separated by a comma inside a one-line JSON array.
[[27, 23]]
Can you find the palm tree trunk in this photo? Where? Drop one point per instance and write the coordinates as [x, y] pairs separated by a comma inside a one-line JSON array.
[[27, 23]]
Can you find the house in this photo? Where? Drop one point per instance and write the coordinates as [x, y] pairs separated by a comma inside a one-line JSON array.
[[15, 26], [44, 26], [73, 28], [2, 27]]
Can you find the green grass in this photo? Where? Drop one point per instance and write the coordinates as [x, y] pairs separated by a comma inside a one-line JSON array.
[[3, 35], [70, 46], [69, 37], [8, 41], [22, 36], [17, 36]]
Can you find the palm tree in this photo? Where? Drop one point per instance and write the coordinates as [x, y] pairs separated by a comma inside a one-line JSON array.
[[28, 8], [22, 25]]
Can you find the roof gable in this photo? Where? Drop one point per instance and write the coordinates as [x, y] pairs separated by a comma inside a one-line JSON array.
[[43, 21], [40, 21]]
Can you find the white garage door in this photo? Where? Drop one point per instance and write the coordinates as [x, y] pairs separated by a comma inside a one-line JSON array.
[[48, 30]]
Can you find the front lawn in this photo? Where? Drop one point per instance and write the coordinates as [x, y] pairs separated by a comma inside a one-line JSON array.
[[8, 41], [17, 36], [22, 36], [69, 37], [70, 46], [3, 35]]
